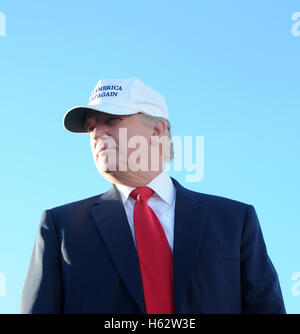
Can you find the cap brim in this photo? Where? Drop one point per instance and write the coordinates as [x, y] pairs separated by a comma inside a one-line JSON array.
[[75, 117]]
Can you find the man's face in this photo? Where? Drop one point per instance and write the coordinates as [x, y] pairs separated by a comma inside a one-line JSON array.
[[109, 138]]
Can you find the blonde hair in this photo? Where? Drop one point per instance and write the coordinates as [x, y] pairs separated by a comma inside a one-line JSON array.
[[151, 120]]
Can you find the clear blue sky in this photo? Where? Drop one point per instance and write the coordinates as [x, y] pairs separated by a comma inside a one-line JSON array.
[[229, 71]]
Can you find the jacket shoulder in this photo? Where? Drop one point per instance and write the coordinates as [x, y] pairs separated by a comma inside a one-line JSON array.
[[212, 199], [68, 214], [221, 207], [71, 211], [221, 200], [81, 202]]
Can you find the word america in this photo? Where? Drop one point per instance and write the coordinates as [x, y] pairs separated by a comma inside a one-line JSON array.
[[96, 94]]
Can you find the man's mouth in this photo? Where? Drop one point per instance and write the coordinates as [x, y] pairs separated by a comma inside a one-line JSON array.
[[103, 151], [101, 147]]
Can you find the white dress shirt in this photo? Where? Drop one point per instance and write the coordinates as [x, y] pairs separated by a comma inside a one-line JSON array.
[[162, 202]]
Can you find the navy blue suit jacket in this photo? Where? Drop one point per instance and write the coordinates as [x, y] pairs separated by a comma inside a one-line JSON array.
[[84, 259]]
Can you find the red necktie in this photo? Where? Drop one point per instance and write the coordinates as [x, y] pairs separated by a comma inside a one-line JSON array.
[[154, 253]]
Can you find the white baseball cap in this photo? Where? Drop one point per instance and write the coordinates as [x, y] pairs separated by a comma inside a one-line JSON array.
[[118, 97]]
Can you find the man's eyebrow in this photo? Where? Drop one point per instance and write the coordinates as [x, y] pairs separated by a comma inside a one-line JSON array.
[[113, 116], [98, 117]]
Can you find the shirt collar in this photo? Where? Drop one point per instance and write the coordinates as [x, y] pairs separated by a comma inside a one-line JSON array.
[[161, 184]]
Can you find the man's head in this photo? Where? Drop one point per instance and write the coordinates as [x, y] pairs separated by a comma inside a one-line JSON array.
[[129, 130]]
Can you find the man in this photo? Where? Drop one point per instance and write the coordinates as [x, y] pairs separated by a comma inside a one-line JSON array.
[[148, 245]]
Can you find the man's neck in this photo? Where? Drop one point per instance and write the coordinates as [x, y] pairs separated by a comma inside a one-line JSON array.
[[132, 180]]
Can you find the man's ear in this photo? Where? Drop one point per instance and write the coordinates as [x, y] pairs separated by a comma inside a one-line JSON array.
[[159, 129]]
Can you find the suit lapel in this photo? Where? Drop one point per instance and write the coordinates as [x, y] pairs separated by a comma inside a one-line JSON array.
[[190, 218], [111, 220]]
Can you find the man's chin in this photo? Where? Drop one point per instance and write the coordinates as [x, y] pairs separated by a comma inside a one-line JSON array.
[[105, 166], [106, 170], [112, 176]]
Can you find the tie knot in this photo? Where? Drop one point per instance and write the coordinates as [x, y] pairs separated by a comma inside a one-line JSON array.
[[141, 193]]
